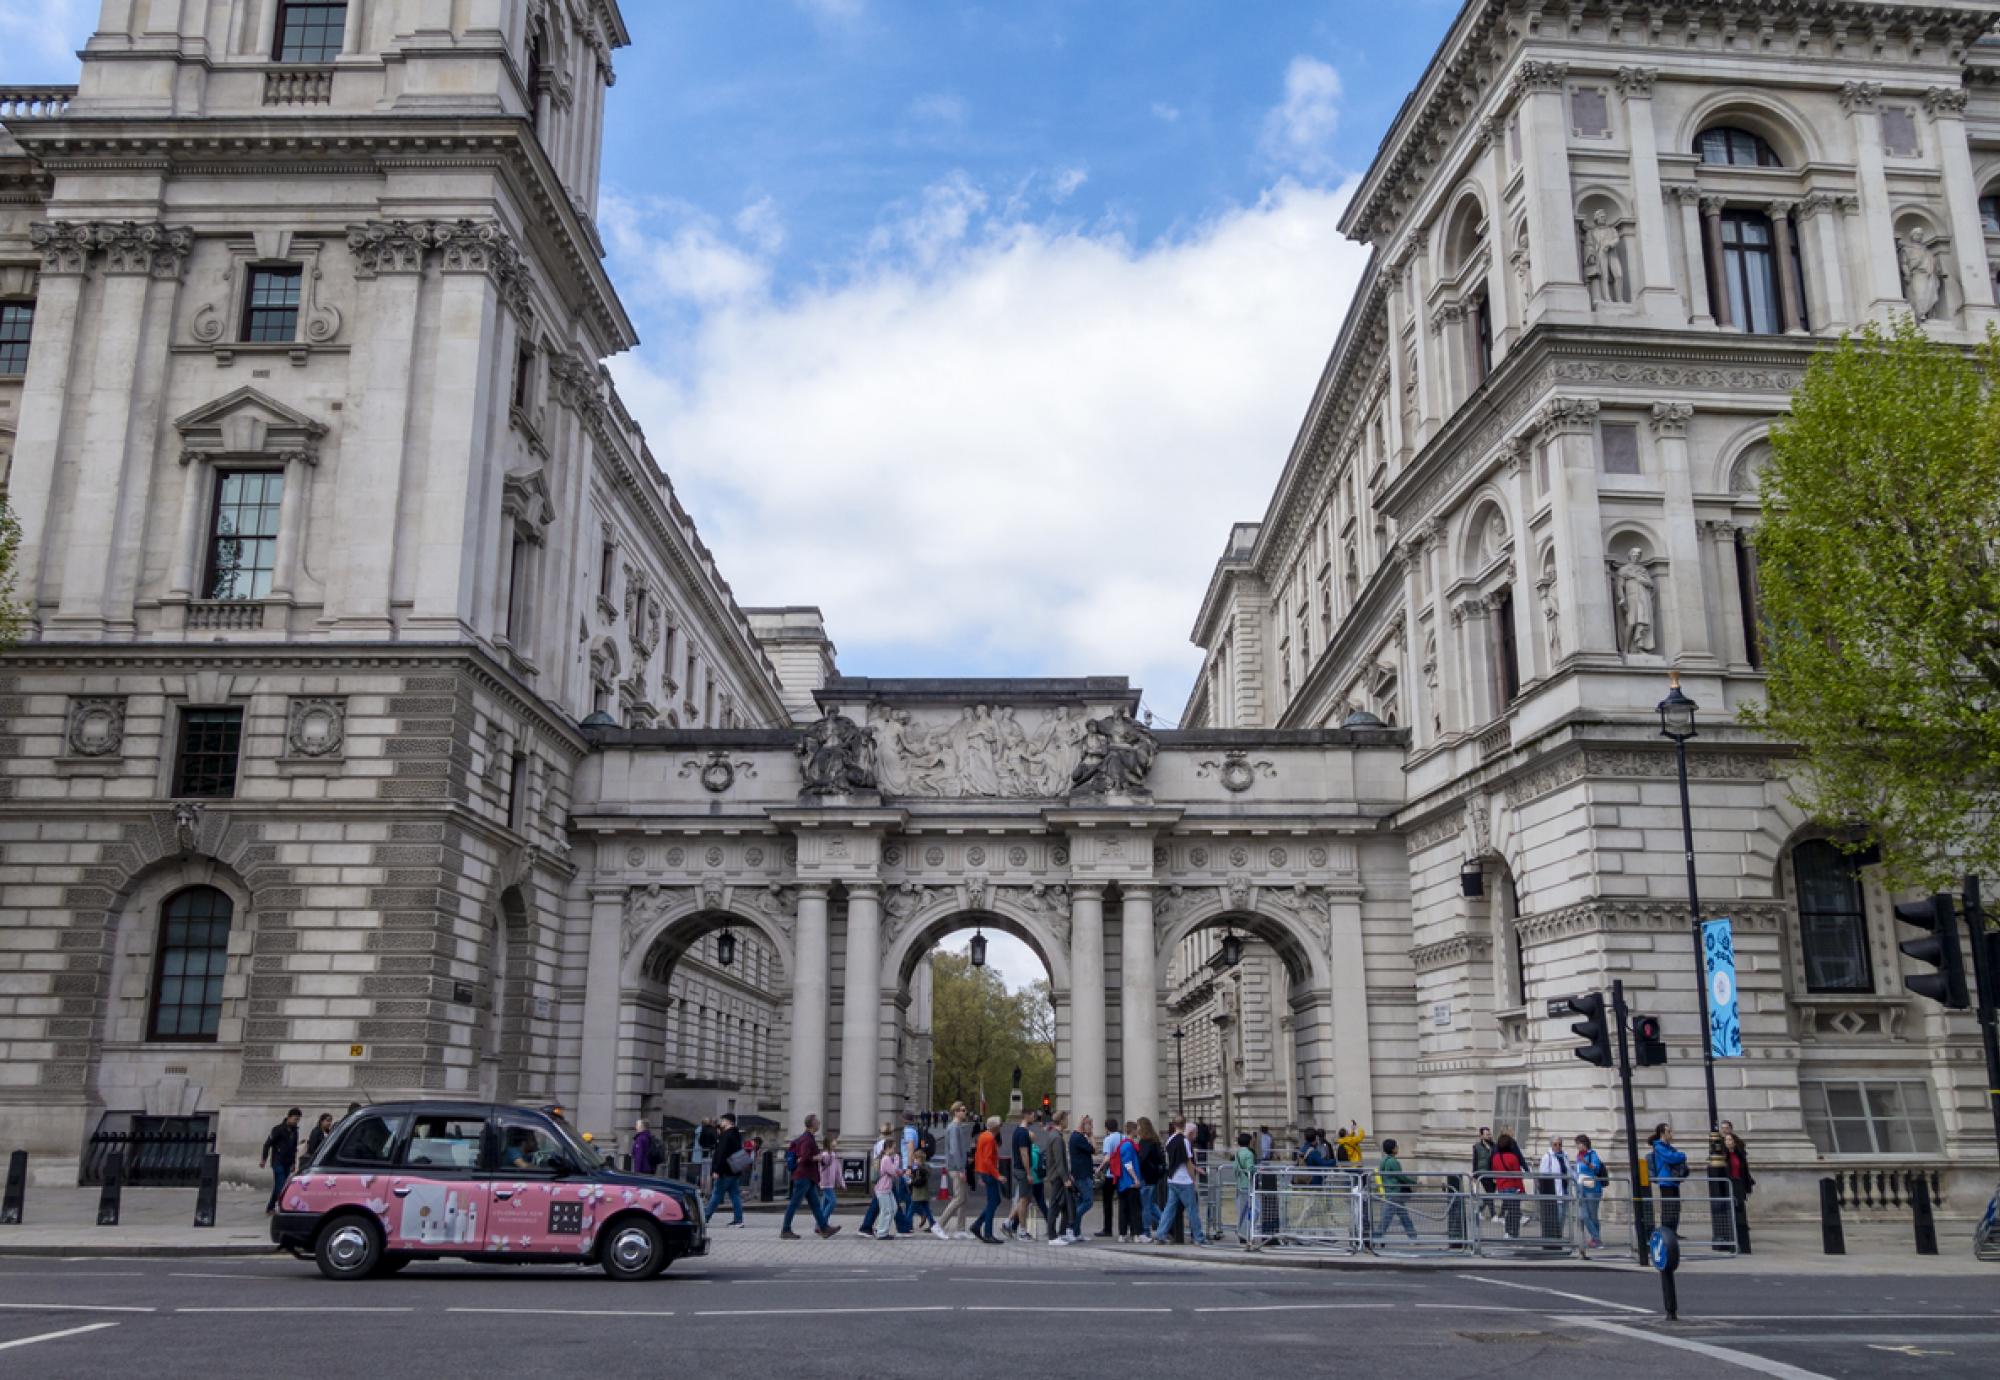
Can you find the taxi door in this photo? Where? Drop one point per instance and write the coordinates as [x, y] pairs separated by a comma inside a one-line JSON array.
[[539, 1203]]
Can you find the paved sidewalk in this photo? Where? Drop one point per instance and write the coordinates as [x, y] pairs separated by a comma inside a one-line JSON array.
[[61, 1222]]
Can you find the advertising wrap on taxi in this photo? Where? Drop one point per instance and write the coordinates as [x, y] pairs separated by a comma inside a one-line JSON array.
[[1718, 958]]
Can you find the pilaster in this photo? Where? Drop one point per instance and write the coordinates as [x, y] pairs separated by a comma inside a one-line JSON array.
[[1691, 593], [1961, 196], [1658, 301]]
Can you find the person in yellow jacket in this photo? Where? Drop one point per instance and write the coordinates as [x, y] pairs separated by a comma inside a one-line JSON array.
[[1348, 1143]]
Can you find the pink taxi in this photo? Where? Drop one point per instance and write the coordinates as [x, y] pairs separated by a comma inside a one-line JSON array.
[[404, 1181]]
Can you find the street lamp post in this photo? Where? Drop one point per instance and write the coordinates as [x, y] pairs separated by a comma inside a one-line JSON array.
[[1677, 722], [1180, 1073]]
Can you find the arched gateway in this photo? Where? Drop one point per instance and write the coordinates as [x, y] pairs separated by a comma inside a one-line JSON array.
[[1042, 807]]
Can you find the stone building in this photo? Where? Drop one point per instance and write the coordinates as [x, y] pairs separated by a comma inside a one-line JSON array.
[[1606, 241]]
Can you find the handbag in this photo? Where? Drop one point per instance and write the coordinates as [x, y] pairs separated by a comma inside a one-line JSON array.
[[740, 1162]]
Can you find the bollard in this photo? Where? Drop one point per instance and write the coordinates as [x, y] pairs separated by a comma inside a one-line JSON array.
[[766, 1186], [1833, 1241], [114, 1185], [674, 1165], [204, 1195], [1920, 1212], [1457, 1230], [12, 1206]]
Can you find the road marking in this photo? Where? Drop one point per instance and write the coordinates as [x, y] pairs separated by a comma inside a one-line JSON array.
[[1763, 1364], [875, 1279], [1877, 1341], [1558, 1293], [286, 1308], [1034, 1308], [815, 1312], [1846, 1317], [52, 1336], [73, 1274], [1279, 1307], [191, 1274], [74, 1308], [573, 1312], [1474, 1307]]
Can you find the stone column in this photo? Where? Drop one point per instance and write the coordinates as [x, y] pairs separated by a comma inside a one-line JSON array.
[[1718, 543], [1691, 594], [1555, 271], [1518, 481], [1454, 356], [1430, 385], [1822, 217], [1501, 317], [1961, 194], [1568, 427], [1088, 1093], [861, 1026], [299, 468], [39, 438], [1396, 314], [1472, 633], [1139, 1001], [1353, 1068], [388, 262], [1711, 239], [1694, 274], [1790, 319], [1882, 279], [597, 1071], [1653, 270], [806, 1093]]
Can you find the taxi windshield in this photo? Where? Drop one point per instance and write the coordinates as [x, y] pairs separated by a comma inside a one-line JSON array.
[[587, 1157]]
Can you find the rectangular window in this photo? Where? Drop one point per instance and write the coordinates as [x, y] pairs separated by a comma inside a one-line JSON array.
[[309, 30], [372, 1140], [1899, 131], [524, 376], [1749, 271], [517, 789], [17, 324], [205, 764], [1620, 443], [188, 970], [517, 589], [1510, 656], [271, 305], [1482, 339], [243, 534], [1746, 593], [1833, 926], [444, 1142], [1869, 1117], [607, 569], [1510, 1110], [1588, 114]]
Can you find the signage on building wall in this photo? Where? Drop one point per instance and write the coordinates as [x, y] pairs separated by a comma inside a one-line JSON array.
[[1441, 1014], [1718, 957], [356, 1051], [543, 1008]]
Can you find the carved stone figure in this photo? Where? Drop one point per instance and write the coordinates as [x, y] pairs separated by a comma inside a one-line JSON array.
[[836, 757], [1118, 753], [1920, 256], [985, 752], [1633, 583], [1603, 265], [1551, 615], [187, 824]]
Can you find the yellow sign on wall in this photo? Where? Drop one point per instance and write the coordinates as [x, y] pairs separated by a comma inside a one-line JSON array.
[[356, 1051]]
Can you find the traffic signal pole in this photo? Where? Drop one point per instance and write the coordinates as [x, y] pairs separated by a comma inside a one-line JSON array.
[[1622, 1017], [1986, 971]]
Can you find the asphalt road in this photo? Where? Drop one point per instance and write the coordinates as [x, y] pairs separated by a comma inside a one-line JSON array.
[[205, 1317]]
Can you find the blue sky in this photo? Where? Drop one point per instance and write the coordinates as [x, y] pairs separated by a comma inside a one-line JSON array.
[[976, 324]]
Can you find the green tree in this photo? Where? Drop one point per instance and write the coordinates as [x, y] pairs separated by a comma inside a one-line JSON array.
[[1880, 580], [13, 618], [980, 1033]]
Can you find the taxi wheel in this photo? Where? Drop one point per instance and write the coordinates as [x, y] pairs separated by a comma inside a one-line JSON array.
[[636, 1249], [349, 1247]]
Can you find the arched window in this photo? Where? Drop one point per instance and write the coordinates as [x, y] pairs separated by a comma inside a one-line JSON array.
[[1989, 214], [1727, 146], [1833, 929], [187, 971]]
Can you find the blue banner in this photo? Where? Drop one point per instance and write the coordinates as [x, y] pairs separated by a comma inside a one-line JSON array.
[[1718, 956]]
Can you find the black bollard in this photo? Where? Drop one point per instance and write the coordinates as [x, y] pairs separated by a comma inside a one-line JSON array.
[[1456, 1228], [1833, 1241], [674, 1165], [767, 1181], [204, 1194], [15, 1203], [114, 1185], [1920, 1212]]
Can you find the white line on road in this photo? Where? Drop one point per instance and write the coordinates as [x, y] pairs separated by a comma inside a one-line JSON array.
[[52, 1336], [1762, 1364], [191, 1274], [873, 1279], [286, 1308], [1847, 1317], [1476, 1308], [814, 1312], [573, 1312], [1037, 1308], [1282, 1307], [74, 1308], [1558, 1293], [73, 1274]]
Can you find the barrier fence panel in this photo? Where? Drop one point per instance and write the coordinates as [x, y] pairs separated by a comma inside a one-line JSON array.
[[1700, 1210], [1433, 1216], [1539, 1221]]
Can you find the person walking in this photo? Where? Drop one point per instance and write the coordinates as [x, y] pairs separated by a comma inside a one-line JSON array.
[[281, 1152], [1554, 1187], [886, 1139], [1113, 1138], [1265, 1144], [1082, 1177], [1736, 1164], [1183, 1173], [957, 1166], [1021, 1166], [320, 1131], [1590, 1181], [1043, 1138], [1057, 1197], [986, 1173], [1152, 1175], [704, 1149], [645, 1149], [1246, 1200], [888, 1179], [917, 1175], [1506, 1168], [1482, 1160], [829, 1175], [802, 1164], [731, 1159], [1396, 1186], [1666, 1166]]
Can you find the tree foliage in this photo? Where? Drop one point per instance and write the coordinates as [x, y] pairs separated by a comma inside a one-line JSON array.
[[1879, 568], [13, 618], [981, 1032]]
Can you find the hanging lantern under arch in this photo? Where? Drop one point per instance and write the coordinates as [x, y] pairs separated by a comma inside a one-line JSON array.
[[725, 948], [1232, 949], [978, 949]]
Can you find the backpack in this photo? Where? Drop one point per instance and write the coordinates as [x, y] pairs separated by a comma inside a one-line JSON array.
[[1152, 1162], [927, 1143], [743, 1159], [792, 1153], [1035, 1163]]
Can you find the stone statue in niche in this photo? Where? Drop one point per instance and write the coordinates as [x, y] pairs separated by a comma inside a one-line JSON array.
[[836, 757], [1551, 615], [1920, 257], [1118, 753], [1633, 585], [1604, 260]]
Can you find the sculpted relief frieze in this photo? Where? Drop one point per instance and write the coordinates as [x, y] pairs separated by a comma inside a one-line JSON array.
[[985, 751]]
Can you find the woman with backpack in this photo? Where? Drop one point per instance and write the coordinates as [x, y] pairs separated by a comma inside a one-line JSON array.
[[1667, 1166], [1590, 1179], [1152, 1173], [1507, 1168]]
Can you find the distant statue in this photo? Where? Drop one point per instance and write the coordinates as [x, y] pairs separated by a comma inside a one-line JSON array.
[[836, 757], [1603, 268], [1118, 753], [1633, 583], [1551, 616], [1017, 1075], [1920, 257]]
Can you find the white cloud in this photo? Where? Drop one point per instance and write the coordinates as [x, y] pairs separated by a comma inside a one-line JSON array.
[[692, 262], [1166, 112], [1067, 181], [1298, 133], [992, 445], [760, 224], [939, 108]]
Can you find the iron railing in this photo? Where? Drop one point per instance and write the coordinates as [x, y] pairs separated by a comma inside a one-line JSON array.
[[154, 1157]]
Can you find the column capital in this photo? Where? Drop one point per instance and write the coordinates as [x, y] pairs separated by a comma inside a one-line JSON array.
[[813, 891], [1137, 891], [1718, 529], [65, 246], [1568, 416], [1536, 77], [475, 246], [1945, 102], [1637, 82], [864, 890], [1686, 192], [1085, 891], [388, 246], [1714, 205], [1859, 95], [1671, 418], [142, 247]]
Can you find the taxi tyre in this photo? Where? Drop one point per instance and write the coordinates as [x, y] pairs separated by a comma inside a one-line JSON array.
[[633, 1248], [348, 1247]]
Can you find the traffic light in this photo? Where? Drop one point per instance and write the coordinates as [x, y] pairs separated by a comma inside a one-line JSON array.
[[1940, 950], [1045, 1102], [1649, 1043], [1596, 1036]]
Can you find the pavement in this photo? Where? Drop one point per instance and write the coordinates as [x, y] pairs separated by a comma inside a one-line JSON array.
[[757, 1307]]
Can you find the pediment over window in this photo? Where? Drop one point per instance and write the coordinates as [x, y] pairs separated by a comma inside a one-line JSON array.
[[524, 497], [248, 423]]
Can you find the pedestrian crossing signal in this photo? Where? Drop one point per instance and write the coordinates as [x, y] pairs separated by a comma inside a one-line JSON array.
[[1649, 1042]]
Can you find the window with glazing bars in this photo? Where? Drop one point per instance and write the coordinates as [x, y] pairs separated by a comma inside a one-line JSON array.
[[1833, 927], [309, 31], [271, 304], [243, 535], [187, 971], [17, 324], [205, 766]]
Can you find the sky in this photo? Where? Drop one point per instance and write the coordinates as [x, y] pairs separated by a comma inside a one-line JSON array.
[[975, 324]]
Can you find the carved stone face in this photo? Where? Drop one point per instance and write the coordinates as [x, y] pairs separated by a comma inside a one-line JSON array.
[[1597, 218], [1633, 556]]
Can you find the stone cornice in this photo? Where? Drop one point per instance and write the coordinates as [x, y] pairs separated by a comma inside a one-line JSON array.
[[1625, 916]]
